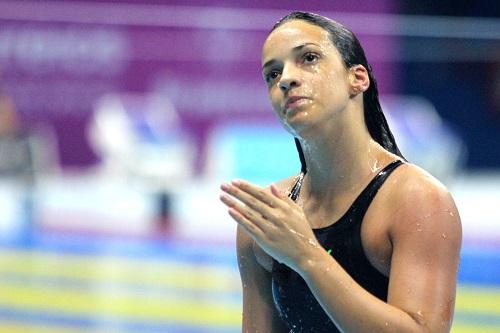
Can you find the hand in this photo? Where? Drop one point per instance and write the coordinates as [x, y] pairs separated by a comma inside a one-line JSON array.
[[274, 221]]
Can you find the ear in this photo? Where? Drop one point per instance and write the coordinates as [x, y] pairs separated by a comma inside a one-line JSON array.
[[358, 80]]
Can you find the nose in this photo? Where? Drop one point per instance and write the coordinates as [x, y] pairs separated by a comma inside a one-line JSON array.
[[289, 79]]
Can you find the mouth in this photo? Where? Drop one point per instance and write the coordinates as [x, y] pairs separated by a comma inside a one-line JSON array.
[[294, 102]]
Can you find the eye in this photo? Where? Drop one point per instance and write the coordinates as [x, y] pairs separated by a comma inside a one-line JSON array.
[[272, 75], [310, 58]]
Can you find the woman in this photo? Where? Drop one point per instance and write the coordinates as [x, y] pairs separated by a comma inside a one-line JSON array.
[[364, 241]]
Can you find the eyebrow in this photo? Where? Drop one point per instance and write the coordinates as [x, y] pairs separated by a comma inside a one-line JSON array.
[[295, 49]]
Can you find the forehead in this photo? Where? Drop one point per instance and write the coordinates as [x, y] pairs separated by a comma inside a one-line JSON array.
[[292, 34]]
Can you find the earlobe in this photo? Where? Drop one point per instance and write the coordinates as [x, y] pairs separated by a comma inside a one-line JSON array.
[[359, 79]]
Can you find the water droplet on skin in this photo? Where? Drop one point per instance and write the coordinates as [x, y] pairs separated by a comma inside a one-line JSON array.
[[443, 235], [386, 324], [420, 317], [296, 233], [313, 243], [449, 212], [375, 166]]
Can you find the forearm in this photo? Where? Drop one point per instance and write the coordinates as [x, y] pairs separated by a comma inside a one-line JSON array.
[[350, 306]]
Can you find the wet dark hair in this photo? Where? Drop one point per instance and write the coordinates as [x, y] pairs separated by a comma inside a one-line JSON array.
[[352, 54]]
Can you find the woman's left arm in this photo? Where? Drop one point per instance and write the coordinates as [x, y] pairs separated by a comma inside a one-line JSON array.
[[425, 233]]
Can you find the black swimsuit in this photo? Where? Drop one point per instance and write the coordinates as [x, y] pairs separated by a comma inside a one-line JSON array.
[[296, 304]]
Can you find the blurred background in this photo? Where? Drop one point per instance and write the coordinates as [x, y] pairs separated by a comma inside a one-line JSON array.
[[119, 120]]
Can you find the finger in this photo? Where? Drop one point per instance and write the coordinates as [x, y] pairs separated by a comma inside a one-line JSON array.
[[250, 214], [251, 228], [258, 193], [251, 201], [279, 194]]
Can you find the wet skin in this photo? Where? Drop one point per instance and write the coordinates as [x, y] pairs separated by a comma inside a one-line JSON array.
[[402, 232], [304, 78]]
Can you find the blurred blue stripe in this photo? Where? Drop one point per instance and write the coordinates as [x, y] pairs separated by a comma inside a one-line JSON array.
[[480, 266], [476, 318], [178, 250]]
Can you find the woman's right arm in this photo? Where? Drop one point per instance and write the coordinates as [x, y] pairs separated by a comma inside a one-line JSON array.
[[259, 312]]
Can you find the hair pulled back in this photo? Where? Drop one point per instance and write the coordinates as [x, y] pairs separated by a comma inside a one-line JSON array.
[[352, 54]]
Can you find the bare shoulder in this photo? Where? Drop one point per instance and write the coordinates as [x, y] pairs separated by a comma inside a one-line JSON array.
[[416, 188], [416, 197]]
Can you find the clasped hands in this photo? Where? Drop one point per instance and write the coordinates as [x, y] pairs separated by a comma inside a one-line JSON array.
[[272, 219]]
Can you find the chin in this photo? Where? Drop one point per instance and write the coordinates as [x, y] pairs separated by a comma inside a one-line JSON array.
[[297, 127]]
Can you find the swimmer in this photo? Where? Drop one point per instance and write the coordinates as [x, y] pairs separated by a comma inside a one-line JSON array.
[[360, 240]]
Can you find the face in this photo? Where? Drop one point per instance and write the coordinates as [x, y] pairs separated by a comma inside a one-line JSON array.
[[305, 75]]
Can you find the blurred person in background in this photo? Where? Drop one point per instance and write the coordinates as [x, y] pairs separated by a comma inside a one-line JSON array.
[[17, 169], [25, 153], [139, 138], [362, 241], [16, 155]]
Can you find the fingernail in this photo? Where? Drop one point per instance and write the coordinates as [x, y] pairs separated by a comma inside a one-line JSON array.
[[224, 186], [236, 182]]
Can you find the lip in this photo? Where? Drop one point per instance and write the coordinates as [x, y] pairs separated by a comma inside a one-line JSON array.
[[294, 102]]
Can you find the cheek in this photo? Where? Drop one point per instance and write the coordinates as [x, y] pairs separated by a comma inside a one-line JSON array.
[[322, 84], [334, 86], [315, 86], [275, 96]]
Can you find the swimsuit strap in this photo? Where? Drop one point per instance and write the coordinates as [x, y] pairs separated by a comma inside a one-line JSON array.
[[363, 201], [373, 186]]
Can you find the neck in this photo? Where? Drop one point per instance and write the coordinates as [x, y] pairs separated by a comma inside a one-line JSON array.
[[341, 163]]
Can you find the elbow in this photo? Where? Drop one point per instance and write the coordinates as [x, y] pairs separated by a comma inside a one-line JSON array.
[[420, 324]]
